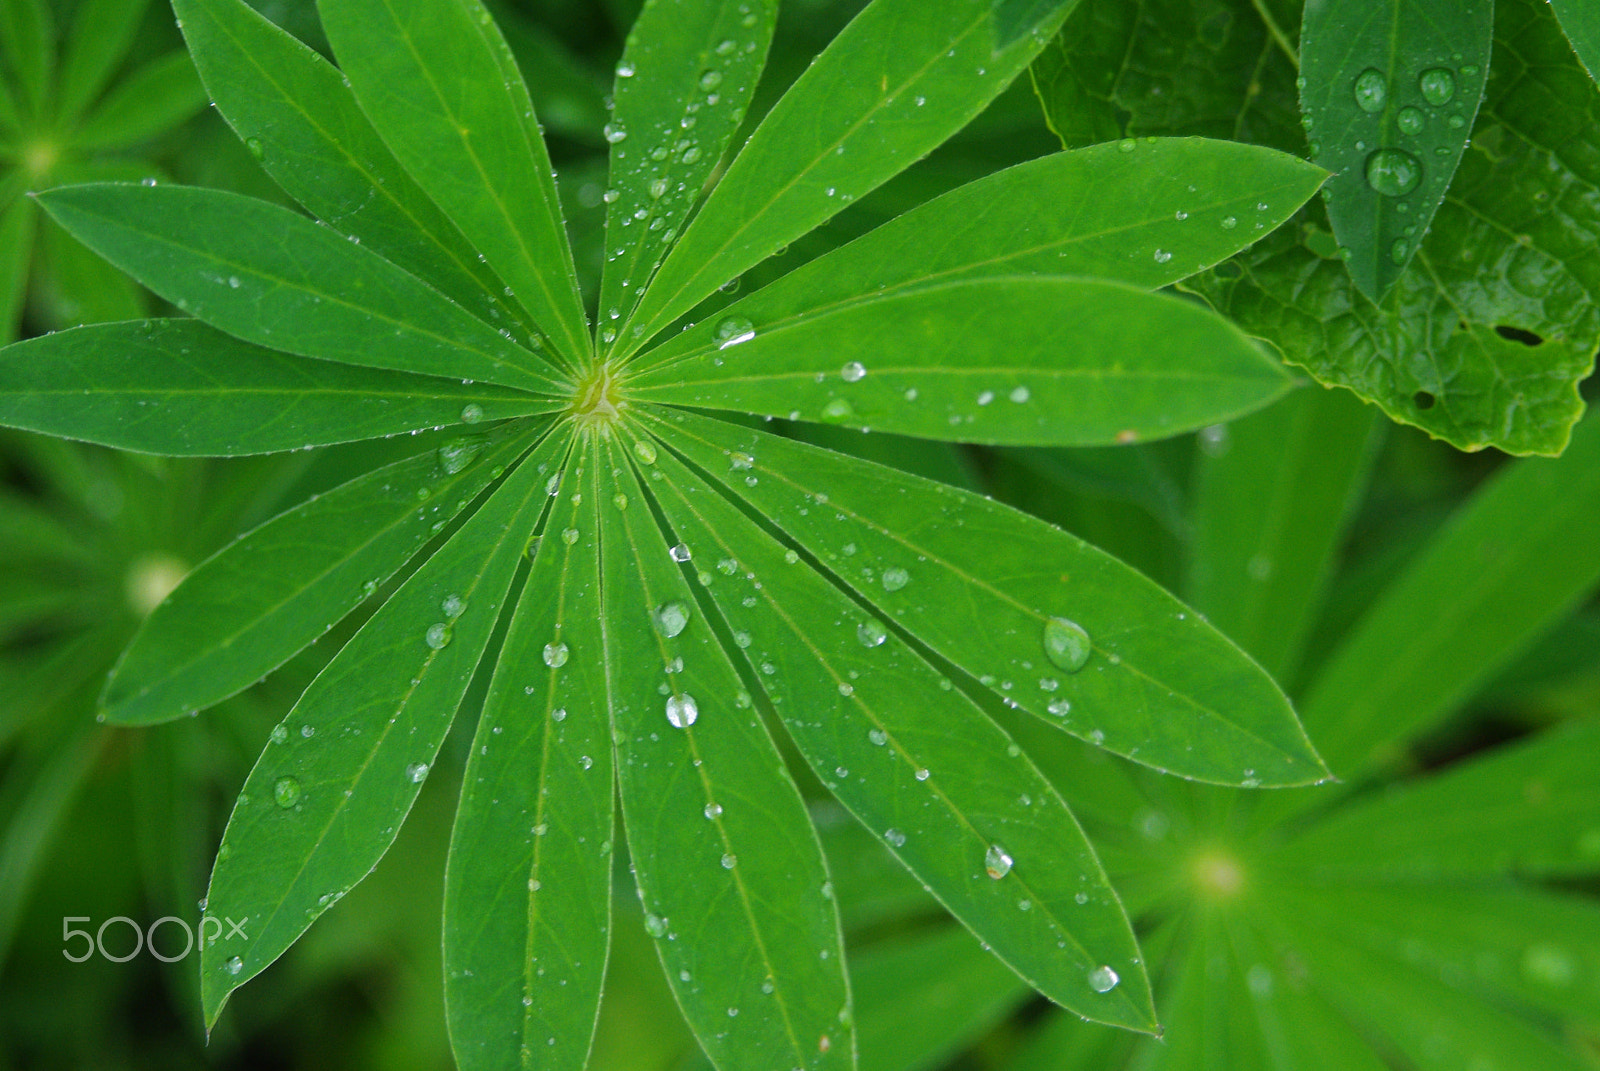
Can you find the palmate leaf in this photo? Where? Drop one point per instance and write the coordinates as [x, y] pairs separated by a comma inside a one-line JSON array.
[[691, 580]]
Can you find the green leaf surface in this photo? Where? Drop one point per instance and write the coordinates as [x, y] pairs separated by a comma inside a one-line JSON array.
[[915, 761], [1523, 550], [297, 116], [321, 807], [980, 583], [1013, 359], [728, 866], [682, 88], [863, 111], [27, 40], [1390, 93], [272, 277], [73, 286], [252, 605], [150, 101], [181, 387], [1580, 21], [102, 32], [441, 87], [1142, 213], [1532, 809], [1273, 494], [528, 885]]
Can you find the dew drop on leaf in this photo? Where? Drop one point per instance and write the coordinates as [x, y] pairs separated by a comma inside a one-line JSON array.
[[1371, 91], [1393, 172], [569, 536], [679, 552], [471, 413], [853, 372], [453, 605], [1411, 120], [729, 861], [457, 454], [438, 636], [682, 711], [655, 926], [257, 150], [734, 330], [713, 810], [1229, 222], [555, 655], [234, 965], [286, 791], [996, 863], [1103, 979], [417, 772], [645, 451], [1066, 644], [895, 837], [871, 634], [894, 578], [280, 733], [838, 410], [671, 618], [1437, 85]]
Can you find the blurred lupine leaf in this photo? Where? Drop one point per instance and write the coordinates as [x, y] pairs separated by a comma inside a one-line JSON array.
[[687, 586]]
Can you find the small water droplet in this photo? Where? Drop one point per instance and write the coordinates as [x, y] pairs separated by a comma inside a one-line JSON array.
[[256, 148], [438, 636], [1398, 251], [1411, 120], [894, 578], [1229, 222], [1162, 256], [570, 536], [1127, 145], [680, 552], [308, 731], [655, 926], [729, 861], [837, 410], [895, 837], [710, 80], [555, 655], [1019, 394], [1066, 644], [1371, 91], [1437, 85], [682, 710], [234, 965], [871, 633], [853, 372], [996, 863], [453, 605], [286, 791], [614, 133], [741, 461], [713, 810], [417, 772], [645, 451], [734, 330], [1393, 172], [672, 618], [619, 500], [878, 736], [1103, 979], [280, 733], [457, 454]]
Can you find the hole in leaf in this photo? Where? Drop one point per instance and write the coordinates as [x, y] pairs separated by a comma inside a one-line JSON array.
[[1423, 400], [1517, 334]]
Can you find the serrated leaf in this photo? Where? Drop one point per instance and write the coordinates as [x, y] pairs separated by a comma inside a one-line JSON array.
[[1581, 23], [297, 116], [944, 787], [1390, 93], [181, 387], [981, 583], [860, 114], [1522, 551], [150, 101], [728, 866], [272, 277], [320, 809], [246, 610], [1146, 214], [443, 91], [528, 886], [683, 85], [1013, 359], [102, 32]]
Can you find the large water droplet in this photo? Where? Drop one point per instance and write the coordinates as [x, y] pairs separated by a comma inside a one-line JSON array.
[[672, 618], [417, 772], [1438, 85], [853, 372], [1370, 90], [453, 605], [680, 552], [996, 863], [457, 454], [471, 413], [871, 634], [1411, 120], [1066, 644], [1393, 172], [438, 636], [894, 578], [734, 330], [682, 711], [555, 655], [286, 791], [1103, 979], [645, 451], [713, 811]]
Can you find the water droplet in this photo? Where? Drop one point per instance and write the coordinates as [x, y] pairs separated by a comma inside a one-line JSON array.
[[680, 552], [457, 454], [710, 80], [1371, 91], [1393, 172], [234, 965], [256, 148], [895, 837], [555, 655], [1162, 256], [853, 372], [1066, 644], [1229, 222], [894, 578], [1103, 979], [658, 188], [672, 618], [614, 133], [682, 711], [838, 410], [655, 926], [286, 791], [871, 634], [729, 861], [645, 451], [280, 733], [996, 863], [438, 636], [624, 70], [713, 810], [1127, 145], [741, 461], [1438, 86], [610, 197], [1411, 120], [878, 736], [619, 500], [1019, 394], [743, 639], [417, 772], [308, 731], [1398, 251], [570, 536], [734, 330], [453, 605]]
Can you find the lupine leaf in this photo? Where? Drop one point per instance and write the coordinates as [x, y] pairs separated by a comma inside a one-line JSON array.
[[102, 32], [150, 101], [1581, 23]]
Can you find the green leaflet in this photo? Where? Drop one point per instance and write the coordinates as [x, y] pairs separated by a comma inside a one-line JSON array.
[[1017, 360], [729, 869], [247, 609], [527, 901], [321, 807], [933, 777], [159, 95], [1146, 214], [980, 584], [102, 32], [181, 387], [682, 88], [440, 86], [860, 114], [27, 40], [1581, 23], [1390, 93], [297, 116], [272, 277]]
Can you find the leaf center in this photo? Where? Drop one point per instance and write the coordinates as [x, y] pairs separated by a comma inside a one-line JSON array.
[[597, 399]]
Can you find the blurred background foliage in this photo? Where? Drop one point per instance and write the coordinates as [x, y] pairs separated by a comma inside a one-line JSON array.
[[102, 823]]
